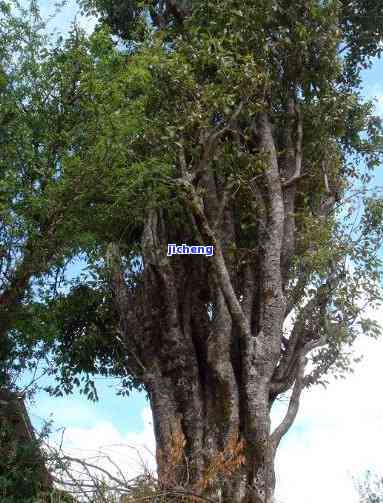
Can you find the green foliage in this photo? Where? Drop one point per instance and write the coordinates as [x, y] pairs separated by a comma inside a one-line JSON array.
[[124, 18], [125, 117], [361, 23], [94, 135], [21, 469]]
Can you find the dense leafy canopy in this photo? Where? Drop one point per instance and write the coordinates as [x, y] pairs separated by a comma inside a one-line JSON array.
[[143, 107]]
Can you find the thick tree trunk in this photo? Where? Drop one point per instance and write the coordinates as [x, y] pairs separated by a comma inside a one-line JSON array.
[[209, 391], [188, 459], [205, 334]]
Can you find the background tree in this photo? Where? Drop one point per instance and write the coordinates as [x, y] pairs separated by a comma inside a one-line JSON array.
[[238, 126], [37, 112]]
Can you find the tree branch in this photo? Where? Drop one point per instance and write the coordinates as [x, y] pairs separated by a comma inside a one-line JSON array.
[[213, 136], [194, 202], [298, 152], [223, 203], [293, 406]]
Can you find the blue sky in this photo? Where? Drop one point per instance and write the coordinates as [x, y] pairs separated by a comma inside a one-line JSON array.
[[65, 17], [331, 441]]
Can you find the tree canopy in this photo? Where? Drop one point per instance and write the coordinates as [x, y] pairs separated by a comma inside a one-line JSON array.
[[187, 98]]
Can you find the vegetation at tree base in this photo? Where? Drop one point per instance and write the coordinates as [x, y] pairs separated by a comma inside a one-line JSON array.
[[19, 479], [232, 124]]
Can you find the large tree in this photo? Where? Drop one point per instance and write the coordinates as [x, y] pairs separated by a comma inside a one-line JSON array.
[[237, 125]]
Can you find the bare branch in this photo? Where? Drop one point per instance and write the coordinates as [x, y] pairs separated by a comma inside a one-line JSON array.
[[86, 464], [314, 344], [293, 407], [224, 200], [298, 152], [295, 178], [214, 136], [182, 159]]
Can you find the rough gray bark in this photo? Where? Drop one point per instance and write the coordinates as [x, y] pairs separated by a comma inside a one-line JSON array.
[[207, 336]]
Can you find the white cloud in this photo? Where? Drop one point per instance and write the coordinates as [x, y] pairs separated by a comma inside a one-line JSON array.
[[105, 446], [337, 435]]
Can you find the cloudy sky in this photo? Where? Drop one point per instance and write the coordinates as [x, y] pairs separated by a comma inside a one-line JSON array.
[[338, 433]]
